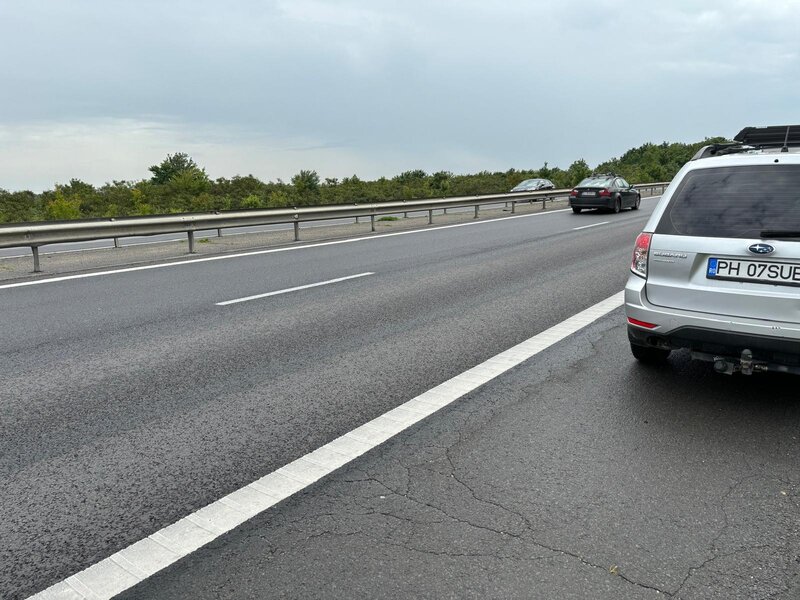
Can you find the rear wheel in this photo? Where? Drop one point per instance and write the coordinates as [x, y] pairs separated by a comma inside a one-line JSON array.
[[636, 204], [617, 205], [576, 210], [649, 355]]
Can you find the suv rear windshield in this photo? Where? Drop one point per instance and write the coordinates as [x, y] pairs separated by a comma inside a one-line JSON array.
[[596, 182], [737, 202]]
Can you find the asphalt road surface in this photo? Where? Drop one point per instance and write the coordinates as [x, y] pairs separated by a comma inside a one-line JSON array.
[[132, 399]]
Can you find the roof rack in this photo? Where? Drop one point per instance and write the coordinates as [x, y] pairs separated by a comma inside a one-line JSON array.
[[720, 149], [776, 135], [755, 138]]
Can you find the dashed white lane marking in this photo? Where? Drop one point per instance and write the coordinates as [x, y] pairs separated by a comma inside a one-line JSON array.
[[592, 225], [292, 289], [270, 251], [137, 562]]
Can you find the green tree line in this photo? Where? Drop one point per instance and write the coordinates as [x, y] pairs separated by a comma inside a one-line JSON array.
[[179, 185]]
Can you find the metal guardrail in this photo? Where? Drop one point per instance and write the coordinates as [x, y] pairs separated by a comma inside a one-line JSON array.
[[35, 235]]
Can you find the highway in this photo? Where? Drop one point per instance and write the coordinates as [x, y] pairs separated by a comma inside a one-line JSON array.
[[133, 398]]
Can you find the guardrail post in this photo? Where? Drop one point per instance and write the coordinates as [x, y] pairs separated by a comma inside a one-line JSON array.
[[116, 242], [513, 207], [476, 212], [544, 200], [445, 211], [297, 231], [405, 215], [356, 220], [219, 232], [372, 222], [36, 267], [190, 235], [430, 217]]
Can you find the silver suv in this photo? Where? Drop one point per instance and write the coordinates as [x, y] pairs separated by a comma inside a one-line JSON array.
[[717, 268]]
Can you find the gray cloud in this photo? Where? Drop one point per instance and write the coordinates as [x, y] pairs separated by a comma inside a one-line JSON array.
[[378, 87]]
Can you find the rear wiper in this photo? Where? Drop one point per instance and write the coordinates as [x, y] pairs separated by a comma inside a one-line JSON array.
[[779, 233]]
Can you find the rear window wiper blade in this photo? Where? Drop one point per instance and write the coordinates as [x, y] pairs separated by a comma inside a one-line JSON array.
[[779, 233]]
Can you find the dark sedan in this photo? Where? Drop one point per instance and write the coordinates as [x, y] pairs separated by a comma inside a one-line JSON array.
[[604, 191], [533, 185]]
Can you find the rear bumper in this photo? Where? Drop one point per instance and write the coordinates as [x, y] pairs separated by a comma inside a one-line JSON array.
[[769, 341], [720, 343], [598, 202]]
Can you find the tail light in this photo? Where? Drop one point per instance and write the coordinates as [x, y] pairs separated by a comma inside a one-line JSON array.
[[639, 323], [640, 252], [604, 192], [573, 193]]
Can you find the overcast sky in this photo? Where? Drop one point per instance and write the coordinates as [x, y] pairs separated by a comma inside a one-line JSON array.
[[102, 89]]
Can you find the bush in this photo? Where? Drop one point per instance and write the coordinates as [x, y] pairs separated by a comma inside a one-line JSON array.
[[180, 185], [62, 209]]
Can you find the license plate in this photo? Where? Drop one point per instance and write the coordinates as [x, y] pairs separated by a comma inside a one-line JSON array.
[[756, 271], [589, 193]]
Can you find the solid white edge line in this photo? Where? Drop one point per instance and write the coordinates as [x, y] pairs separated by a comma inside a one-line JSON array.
[[292, 289], [592, 225], [271, 250], [132, 565]]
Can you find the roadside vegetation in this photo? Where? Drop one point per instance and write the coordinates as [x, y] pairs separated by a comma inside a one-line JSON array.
[[179, 185]]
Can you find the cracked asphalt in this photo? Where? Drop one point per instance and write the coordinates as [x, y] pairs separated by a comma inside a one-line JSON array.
[[580, 474], [130, 400]]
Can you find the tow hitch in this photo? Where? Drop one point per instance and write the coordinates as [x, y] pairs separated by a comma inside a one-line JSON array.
[[744, 364]]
